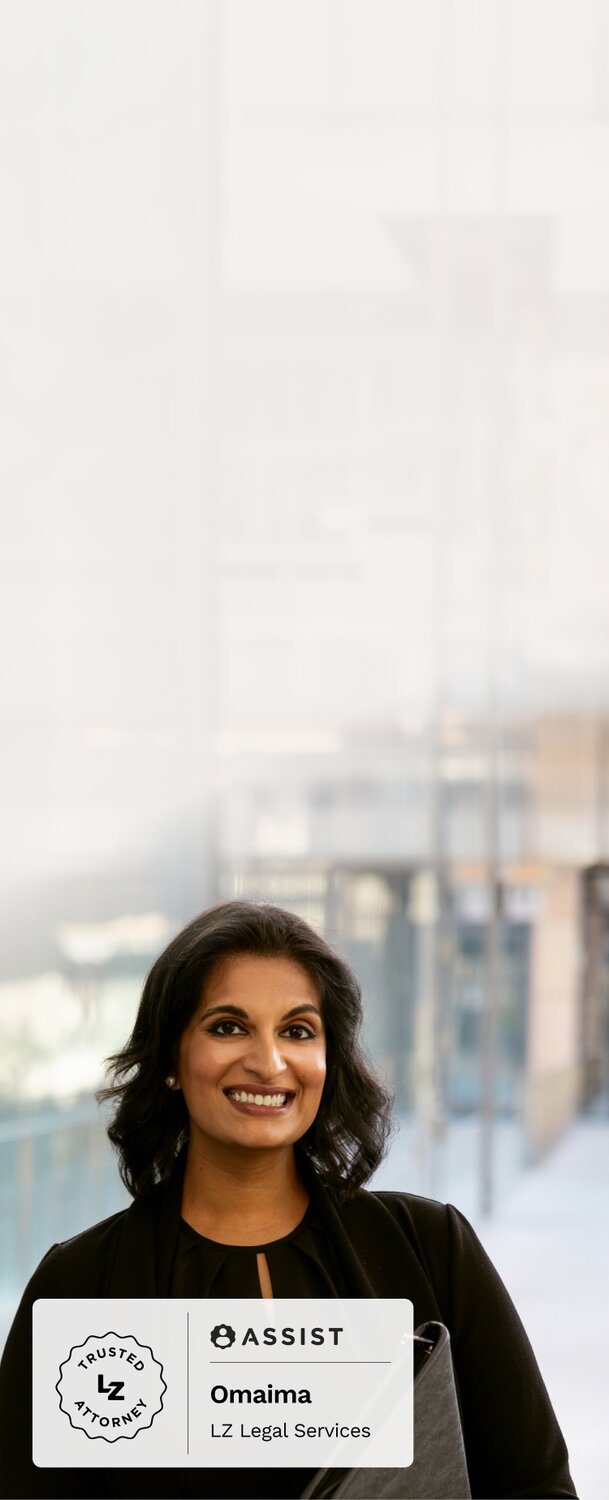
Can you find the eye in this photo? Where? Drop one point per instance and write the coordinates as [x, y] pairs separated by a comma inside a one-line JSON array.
[[216, 1030]]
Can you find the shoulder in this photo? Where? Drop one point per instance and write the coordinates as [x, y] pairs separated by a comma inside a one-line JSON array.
[[426, 1215], [440, 1224], [430, 1217], [412, 1213], [421, 1210], [449, 1248], [442, 1238], [86, 1261], [76, 1263]]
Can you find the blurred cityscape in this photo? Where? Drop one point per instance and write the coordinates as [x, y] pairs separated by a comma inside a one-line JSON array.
[[307, 457]]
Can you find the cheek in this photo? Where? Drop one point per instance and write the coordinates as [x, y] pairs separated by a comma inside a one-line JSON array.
[[195, 1062], [317, 1069], [205, 1066]]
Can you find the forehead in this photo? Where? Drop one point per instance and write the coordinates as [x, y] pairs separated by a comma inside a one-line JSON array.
[[249, 979]]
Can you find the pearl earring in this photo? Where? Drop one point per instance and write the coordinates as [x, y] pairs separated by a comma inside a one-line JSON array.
[[171, 1083]]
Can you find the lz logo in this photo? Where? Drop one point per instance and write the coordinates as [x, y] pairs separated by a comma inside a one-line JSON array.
[[111, 1390], [114, 1410]]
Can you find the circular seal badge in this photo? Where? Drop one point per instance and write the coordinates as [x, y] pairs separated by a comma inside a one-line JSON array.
[[111, 1386]]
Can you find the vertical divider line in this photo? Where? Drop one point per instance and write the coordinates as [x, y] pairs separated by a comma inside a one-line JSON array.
[[187, 1384]]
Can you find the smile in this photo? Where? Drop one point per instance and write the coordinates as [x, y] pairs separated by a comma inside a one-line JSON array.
[[252, 1103]]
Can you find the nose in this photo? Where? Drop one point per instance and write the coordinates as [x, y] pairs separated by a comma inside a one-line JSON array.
[[264, 1057]]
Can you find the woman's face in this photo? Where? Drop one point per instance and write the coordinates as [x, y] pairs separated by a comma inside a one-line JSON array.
[[258, 1031]]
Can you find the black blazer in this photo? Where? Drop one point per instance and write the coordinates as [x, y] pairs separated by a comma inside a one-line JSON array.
[[390, 1245]]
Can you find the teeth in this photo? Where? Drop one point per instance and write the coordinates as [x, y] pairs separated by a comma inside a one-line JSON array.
[[267, 1099]]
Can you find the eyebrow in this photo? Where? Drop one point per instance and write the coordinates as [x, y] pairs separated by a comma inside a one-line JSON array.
[[236, 1010]]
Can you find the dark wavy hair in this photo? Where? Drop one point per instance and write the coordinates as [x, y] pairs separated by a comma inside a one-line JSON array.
[[350, 1133]]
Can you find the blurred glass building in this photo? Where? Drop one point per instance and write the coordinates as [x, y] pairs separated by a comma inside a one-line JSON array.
[[307, 387]]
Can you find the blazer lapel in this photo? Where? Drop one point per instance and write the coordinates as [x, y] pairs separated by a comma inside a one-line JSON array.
[[378, 1258], [146, 1248], [354, 1270]]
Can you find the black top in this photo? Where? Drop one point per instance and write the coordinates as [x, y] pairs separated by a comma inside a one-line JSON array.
[[301, 1264], [388, 1244]]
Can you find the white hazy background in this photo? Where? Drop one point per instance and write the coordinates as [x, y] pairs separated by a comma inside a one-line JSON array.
[[305, 453]]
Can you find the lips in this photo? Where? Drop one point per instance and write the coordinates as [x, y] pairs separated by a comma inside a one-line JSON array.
[[261, 1111], [246, 1088]]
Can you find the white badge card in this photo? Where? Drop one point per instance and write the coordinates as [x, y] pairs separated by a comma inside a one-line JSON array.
[[223, 1383]]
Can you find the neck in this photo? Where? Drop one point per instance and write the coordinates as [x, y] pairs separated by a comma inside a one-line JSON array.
[[227, 1185]]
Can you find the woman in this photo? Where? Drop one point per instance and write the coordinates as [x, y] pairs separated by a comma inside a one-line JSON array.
[[247, 1124]]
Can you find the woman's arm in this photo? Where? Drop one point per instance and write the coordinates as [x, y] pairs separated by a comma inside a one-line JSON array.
[[514, 1445], [19, 1477]]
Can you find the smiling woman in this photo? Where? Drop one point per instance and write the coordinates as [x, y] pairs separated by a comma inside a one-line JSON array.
[[253, 1083], [248, 998], [247, 1122]]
